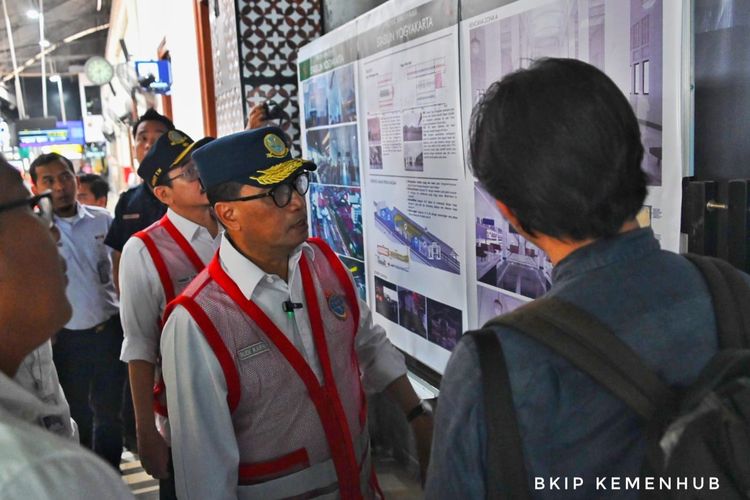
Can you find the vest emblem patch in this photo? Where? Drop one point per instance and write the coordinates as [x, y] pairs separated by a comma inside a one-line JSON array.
[[252, 350], [337, 305]]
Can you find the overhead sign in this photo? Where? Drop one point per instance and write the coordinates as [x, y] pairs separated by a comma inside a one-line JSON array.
[[70, 132]]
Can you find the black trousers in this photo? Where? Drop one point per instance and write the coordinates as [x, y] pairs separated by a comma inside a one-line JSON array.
[[92, 376], [167, 489]]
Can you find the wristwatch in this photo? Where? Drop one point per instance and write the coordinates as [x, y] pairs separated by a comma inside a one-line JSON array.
[[423, 408]]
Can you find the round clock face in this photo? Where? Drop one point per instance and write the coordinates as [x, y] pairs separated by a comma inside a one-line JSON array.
[[98, 70]]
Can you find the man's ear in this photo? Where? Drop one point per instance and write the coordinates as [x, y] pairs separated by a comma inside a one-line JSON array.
[[507, 213], [227, 215], [34, 189], [163, 194]]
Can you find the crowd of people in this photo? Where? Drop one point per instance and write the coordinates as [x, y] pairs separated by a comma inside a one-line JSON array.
[[244, 349]]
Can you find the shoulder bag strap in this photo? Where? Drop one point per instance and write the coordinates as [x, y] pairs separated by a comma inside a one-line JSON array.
[[506, 473], [591, 347], [731, 300]]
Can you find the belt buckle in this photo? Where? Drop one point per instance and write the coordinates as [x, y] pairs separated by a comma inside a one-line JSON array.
[[100, 327]]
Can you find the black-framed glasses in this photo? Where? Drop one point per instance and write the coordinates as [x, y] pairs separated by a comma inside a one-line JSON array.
[[189, 173], [40, 204], [282, 193]]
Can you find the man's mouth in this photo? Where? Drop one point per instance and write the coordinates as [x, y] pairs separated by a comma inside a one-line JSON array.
[[302, 223]]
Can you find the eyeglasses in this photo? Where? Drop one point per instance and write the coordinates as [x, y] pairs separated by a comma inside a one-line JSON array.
[[40, 204], [189, 173], [282, 194]]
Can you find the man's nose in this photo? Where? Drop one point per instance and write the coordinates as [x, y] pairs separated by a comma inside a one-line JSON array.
[[298, 201]]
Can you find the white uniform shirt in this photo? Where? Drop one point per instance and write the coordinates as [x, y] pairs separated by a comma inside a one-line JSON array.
[[142, 299], [35, 463], [204, 448], [90, 290], [38, 375]]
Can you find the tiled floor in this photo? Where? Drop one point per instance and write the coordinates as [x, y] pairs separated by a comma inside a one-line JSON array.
[[395, 481]]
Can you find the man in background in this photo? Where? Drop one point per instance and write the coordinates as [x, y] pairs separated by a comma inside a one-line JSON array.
[[86, 350], [92, 190]]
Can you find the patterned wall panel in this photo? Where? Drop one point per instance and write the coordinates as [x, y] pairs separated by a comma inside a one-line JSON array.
[[270, 33], [229, 101]]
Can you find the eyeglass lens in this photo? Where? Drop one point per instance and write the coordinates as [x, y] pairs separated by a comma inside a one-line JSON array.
[[43, 208], [282, 194]]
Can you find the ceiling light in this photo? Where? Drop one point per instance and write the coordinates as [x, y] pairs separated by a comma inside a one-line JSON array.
[[54, 78], [32, 14], [44, 43]]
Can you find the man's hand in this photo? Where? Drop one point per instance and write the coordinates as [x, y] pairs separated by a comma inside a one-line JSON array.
[[257, 118], [422, 427], [153, 452]]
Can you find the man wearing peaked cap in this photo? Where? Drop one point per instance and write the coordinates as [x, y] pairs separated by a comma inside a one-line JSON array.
[[268, 353], [157, 263]]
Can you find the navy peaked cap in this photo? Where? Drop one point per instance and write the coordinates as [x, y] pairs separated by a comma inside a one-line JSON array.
[[170, 150], [260, 157]]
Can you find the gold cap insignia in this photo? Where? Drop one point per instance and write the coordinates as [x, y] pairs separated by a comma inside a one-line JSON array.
[[176, 138], [277, 173], [275, 145], [155, 177]]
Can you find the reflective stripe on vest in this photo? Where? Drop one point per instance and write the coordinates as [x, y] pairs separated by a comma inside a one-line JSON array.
[[312, 482], [173, 257], [162, 236]]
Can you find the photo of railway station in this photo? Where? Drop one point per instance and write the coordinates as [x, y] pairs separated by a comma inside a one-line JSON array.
[[336, 214], [426, 247], [504, 258]]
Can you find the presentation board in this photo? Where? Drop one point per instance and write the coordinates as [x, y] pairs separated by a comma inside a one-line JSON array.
[[386, 101]]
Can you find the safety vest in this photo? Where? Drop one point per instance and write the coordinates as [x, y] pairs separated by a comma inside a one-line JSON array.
[[296, 436], [177, 264]]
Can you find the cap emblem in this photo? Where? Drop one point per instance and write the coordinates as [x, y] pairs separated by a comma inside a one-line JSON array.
[[275, 146], [176, 138]]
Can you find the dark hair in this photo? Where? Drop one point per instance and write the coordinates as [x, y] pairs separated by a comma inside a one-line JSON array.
[[559, 144], [151, 115], [46, 159], [224, 191], [98, 186]]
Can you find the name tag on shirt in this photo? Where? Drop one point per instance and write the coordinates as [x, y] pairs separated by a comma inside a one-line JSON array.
[[252, 350]]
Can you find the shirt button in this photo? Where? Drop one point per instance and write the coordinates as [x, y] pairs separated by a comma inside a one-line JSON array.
[[269, 279]]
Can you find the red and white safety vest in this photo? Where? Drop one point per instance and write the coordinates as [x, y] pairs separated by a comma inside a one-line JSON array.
[[296, 436], [177, 264]]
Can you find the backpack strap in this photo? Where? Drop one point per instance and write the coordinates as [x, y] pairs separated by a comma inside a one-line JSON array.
[[590, 346], [506, 473], [730, 295]]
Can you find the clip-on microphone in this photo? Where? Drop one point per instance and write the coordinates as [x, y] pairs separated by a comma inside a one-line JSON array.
[[290, 306]]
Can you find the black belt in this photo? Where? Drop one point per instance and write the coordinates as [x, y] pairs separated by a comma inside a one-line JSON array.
[[96, 328]]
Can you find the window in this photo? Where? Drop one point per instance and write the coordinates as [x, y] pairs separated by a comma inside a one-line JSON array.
[[645, 87], [636, 78]]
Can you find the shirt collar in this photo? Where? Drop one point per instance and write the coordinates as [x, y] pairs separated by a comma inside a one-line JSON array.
[[22, 403], [187, 228], [81, 212], [606, 251], [245, 273]]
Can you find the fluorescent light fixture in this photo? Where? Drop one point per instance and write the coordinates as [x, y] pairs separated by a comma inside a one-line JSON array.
[[32, 14]]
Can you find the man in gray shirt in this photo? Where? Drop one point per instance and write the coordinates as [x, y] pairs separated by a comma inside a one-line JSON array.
[[86, 351]]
